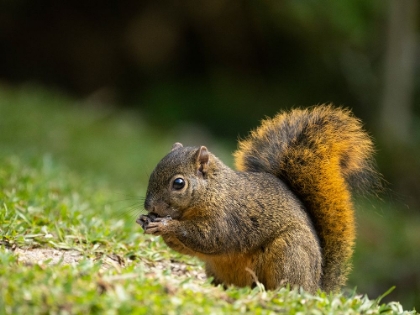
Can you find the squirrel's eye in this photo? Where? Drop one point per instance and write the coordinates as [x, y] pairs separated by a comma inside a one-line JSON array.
[[178, 184]]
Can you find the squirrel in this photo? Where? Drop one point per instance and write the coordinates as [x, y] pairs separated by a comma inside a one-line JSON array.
[[285, 216]]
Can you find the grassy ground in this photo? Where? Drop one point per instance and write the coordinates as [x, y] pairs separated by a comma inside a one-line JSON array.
[[71, 181]]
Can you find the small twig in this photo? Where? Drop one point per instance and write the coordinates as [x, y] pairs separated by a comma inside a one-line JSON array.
[[254, 276]]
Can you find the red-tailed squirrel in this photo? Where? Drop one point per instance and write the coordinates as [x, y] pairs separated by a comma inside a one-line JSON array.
[[284, 217]]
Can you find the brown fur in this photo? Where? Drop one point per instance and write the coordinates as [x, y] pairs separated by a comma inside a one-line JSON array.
[[285, 217]]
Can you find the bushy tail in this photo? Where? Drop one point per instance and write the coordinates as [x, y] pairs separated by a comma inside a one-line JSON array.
[[322, 153]]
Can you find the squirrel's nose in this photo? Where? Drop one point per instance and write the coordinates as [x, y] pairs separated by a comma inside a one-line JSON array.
[[148, 204]]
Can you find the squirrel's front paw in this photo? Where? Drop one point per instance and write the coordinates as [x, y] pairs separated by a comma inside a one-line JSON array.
[[158, 226], [144, 220]]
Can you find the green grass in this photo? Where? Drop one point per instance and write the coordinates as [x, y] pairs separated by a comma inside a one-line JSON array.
[[71, 178]]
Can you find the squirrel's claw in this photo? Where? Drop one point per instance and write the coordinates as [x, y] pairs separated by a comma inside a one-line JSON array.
[[157, 226], [144, 221], [153, 228]]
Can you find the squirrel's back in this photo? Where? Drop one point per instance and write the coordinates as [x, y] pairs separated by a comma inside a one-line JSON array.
[[322, 154]]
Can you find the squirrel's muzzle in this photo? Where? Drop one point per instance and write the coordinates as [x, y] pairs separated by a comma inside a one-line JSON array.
[[148, 204]]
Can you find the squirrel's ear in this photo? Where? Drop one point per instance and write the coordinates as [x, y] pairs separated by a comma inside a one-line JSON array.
[[176, 145], [202, 161]]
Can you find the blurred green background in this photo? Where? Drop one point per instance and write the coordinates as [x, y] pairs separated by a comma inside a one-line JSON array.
[[206, 72]]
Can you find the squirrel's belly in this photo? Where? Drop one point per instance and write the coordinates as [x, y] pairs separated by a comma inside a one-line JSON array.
[[233, 269]]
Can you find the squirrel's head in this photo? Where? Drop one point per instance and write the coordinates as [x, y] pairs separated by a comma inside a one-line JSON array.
[[177, 179]]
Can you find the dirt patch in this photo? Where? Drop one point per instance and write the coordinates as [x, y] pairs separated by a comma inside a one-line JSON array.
[[44, 256], [155, 269], [179, 269]]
